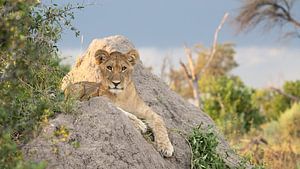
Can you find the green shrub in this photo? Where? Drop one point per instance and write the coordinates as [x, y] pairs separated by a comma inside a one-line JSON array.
[[30, 73], [271, 131], [204, 152], [11, 157], [289, 122], [270, 103], [228, 101], [292, 88]]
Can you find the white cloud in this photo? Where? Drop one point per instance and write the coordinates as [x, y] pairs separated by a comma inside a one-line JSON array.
[[258, 66], [262, 66], [249, 56]]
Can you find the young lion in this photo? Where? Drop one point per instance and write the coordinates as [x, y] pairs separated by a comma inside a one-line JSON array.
[[116, 69]]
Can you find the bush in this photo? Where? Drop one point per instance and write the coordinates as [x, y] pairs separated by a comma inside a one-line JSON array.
[[204, 153], [270, 103], [292, 88], [282, 138], [228, 101], [30, 72], [289, 122], [11, 157]]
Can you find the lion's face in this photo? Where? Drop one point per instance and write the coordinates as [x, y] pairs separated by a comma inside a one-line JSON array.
[[116, 69]]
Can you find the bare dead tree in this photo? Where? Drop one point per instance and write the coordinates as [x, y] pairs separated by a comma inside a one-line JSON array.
[[191, 76], [187, 74], [292, 97], [190, 71], [269, 13]]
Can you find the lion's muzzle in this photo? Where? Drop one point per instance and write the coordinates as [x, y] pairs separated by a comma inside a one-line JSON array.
[[116, 87]]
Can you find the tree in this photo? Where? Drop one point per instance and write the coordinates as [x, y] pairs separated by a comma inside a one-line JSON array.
[[222, 63], [228, 101], [289, 122], [269, 13], [190, 72], [272, 102], [292, 88], [30, 72]]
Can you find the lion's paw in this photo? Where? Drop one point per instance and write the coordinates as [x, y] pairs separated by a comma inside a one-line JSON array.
[[165, 148]]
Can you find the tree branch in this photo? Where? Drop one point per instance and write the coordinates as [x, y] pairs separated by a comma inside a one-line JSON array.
[[287, 14], [215, 43], [188, 53], [191, 75], [268, 12], [188, 76], [294, 98]]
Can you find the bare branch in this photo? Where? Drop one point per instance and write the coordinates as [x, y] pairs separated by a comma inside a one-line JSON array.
[[188, 76], [294, 98], [270, 13], [215, 43], [188, 53], [286, 14]]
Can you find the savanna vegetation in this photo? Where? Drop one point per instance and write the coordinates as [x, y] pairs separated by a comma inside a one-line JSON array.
[[263, 125], [30, 73]]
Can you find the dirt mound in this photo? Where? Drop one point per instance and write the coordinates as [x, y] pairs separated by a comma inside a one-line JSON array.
[[98, 135]]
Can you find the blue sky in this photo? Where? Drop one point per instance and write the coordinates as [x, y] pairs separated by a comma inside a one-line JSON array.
[[161, 27]]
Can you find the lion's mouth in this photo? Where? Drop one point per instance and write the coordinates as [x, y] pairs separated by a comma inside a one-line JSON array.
[[115, 89]]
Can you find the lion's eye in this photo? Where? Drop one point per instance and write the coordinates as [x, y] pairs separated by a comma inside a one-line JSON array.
[[124, 68], [109, 68]]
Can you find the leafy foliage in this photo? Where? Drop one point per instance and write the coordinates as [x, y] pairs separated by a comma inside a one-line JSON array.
[[228, 101], [292, 88], [289, 122], [222, 63], [30, 72], [280, 148], [204, 144], [11, 157], [270, 103], [241, 112]]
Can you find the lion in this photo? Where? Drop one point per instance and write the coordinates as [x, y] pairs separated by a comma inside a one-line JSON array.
[[117, 84]]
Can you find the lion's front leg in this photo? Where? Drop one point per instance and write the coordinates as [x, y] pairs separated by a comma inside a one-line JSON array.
[[131, 102], [161, 137]]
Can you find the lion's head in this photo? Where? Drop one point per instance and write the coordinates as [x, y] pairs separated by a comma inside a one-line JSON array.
[[116, 69]]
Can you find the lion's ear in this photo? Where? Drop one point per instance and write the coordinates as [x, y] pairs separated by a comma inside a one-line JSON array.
[[100, 56], [132, 56]]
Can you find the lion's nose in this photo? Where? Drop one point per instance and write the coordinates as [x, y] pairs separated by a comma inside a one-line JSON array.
[[116, 83]]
